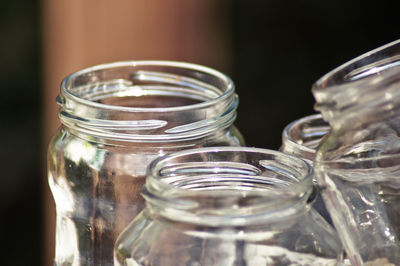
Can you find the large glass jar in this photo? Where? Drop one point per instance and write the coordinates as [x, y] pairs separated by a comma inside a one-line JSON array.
[[228, 206], [117, 118], [301, 138], [358, 162]]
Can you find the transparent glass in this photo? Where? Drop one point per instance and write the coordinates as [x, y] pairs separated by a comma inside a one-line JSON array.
[[358, 162], [301, 138], [117, 118], [228, 206]]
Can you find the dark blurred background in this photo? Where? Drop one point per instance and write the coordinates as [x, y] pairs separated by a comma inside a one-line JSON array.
[[274, 50]]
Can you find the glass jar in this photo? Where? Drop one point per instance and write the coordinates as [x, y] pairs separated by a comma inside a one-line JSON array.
[[228, 206], [117, 118], [301, 138], [358, 162]]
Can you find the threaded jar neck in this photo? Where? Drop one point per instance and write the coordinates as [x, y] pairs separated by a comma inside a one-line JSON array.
[[302, 136], [363, 90], [228, 186], [147, 101]]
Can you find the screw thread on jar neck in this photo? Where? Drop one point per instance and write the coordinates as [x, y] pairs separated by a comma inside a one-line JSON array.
[[147, 101], [228, 186], [364, 90]]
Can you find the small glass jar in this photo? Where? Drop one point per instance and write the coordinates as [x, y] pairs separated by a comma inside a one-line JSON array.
[[228, 206], [301, 138], [117, 118], [358, 162]]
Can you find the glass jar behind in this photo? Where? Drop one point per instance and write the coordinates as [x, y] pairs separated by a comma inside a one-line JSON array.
[[358, 161], [117, 118], [301, 138], [228, 206]]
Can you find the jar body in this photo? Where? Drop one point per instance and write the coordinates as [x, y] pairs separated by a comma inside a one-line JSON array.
[[228, 206], [96, 188], [357, 163], [116, 119], [307, 240], [361, 194]]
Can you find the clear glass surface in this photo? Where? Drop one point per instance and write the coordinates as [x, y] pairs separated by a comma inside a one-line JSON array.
[[358, 162], [301, 138], [116, 119], [228, 206]]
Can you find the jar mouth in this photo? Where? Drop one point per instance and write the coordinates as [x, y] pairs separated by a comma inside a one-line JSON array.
[[366, 82], [236, 184], [302, 136], [208, 95], [147, 101]]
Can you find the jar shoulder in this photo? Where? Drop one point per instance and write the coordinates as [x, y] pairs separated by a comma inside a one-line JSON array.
[[71, 156], [231, 136], [64, 138], [68, 152]]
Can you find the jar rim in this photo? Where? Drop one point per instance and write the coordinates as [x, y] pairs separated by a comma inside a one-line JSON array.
[[355, 74], [368, 82], [154, 167], [81, 110], [297, 146], [180, 195], [230, 87]]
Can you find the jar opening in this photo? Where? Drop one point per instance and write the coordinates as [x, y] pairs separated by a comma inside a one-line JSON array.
[[367, 84], [235, 183], [302, 136], [147, 101]]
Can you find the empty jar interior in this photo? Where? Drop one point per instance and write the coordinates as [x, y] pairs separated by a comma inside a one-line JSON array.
[[226, 181]]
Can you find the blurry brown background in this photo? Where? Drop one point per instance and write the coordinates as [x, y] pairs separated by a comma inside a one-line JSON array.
[[274, 50]]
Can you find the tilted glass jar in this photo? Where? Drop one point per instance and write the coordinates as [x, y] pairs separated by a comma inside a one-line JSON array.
[[228, 206], [116, 118], [358, 162], [301, 138]]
